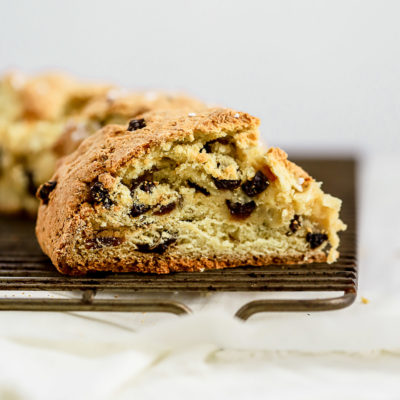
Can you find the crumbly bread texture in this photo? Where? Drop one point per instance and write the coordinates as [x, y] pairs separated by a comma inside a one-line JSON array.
[[33, 111], [118, 106], [183, 192]]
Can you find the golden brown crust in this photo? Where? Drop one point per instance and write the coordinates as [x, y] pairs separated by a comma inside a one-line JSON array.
[[281, 156], [45, 96], [113, 146], [133, 104], [103, 155], [170, 264], [123, 106]]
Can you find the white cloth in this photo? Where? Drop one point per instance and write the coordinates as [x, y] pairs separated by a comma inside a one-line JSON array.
[[353, 353]]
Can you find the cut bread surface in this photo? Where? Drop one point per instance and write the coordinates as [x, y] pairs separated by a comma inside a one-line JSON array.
[[183, 192]]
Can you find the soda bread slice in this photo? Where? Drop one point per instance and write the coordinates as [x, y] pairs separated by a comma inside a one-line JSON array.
[[183, 192]]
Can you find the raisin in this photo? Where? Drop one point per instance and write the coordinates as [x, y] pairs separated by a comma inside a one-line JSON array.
[[207, 146], [32, 188], [45, 190], [256, 185], [295, 223], [147, 186], [316, 239], [158, 248], [99, 194], [136, 124], [198, 188], [227, 184], [241, 210], [166, 209], [148, 176], [139, 209], [104, 241]]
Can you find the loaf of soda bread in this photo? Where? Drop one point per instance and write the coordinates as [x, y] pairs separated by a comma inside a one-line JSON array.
[[183, 191]]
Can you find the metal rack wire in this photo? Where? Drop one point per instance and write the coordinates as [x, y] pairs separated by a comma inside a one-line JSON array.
[[23, 267]]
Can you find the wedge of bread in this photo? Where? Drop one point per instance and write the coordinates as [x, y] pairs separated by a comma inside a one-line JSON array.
[[174, 191]]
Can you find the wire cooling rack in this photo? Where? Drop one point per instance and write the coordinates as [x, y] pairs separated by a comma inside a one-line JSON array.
[[23, 267]]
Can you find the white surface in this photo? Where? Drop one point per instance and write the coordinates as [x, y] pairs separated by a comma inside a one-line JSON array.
[[321, 75]]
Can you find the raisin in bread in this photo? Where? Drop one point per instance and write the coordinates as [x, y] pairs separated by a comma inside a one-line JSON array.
[[183, 192], [33, 111], [118, 106]]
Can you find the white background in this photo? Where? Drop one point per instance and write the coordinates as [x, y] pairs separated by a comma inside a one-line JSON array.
[[323, 77], [320, 74]]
